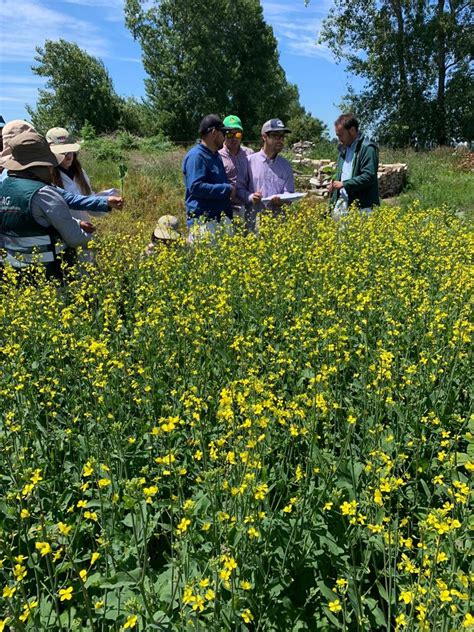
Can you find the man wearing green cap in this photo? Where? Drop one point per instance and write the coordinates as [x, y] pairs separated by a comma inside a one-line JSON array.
[[234, 156]]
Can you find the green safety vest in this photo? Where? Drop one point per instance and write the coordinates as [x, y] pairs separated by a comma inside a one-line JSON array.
[[21, 237]]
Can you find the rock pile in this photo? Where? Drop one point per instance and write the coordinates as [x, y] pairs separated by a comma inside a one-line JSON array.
[[302, 147], [392, 178]]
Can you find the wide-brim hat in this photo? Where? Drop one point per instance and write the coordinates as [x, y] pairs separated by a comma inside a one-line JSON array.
[[29, 149], [167, 228], [61, 141], [9, 131]]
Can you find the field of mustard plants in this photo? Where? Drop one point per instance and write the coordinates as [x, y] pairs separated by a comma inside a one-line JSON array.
[[269, 434]]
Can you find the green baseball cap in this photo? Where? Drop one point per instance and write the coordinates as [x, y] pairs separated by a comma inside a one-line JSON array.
[[233, 122]]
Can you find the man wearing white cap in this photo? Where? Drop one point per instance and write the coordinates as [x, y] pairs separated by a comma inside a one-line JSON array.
[[270, 174], [33, 214]]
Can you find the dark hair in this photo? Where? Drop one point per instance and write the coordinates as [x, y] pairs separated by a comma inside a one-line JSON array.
[[347, 121], [78, 176]]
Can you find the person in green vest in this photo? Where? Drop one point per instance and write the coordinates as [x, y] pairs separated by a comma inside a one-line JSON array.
[[33, 214], [356, 170]]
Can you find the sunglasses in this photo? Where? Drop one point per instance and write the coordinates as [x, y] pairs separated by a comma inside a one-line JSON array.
[[233, 134], [277, 135]]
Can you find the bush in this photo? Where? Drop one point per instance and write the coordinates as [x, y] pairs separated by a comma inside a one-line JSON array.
[[105, 148], [158, 143]]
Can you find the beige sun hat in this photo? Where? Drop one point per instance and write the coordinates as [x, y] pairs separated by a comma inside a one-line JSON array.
[[167, 228], [9, 131], [29, 149], [60, 141]]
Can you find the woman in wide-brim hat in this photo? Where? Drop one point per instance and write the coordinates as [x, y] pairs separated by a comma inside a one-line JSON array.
[[33, 214]]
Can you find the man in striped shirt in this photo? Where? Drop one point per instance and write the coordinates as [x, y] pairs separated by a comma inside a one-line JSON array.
[[270, 173], [234, 156]]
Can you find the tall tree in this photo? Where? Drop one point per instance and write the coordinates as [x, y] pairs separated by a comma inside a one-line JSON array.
[[78, 89], [218, 56], [409, 52]]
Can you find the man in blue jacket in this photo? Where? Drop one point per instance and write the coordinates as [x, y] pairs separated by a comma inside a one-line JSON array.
[[208, 192]]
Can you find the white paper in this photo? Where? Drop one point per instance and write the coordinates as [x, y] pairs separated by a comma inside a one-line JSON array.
[[108, 192], [287, 197]]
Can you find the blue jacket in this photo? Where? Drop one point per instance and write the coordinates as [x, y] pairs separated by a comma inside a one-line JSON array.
[[77, 202], [207, 188], [85, 202]]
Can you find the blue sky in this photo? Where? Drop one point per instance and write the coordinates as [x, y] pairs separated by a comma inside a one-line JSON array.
[[97, 26]]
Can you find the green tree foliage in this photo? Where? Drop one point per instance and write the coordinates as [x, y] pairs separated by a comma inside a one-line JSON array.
[[218, 56], [412, 55], [306, 127], [78, 89]]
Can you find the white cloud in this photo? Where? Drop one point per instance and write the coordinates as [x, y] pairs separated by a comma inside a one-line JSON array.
[[9, 79], [297, 27], [27, 24], [107, 4]]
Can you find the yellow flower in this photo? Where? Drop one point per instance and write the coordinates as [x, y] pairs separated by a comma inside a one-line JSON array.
[[24, 514], [253, 533], [468, 621], [188, 595], [341, 584], [245, 585], [98, 604], [401, 621], [65, 529], [198, 603], [19, 572], [83, 575], [445, 595], [104, 482], [351, 419], [406, 596], [261, 491], [335, 605], [65, 594], [94, 558], [131, 622], [8, 592], [87, 470], [81, 504], [210, 594], [349, 509], [43, 547], [247, 616], [183, 526], [149, 492]]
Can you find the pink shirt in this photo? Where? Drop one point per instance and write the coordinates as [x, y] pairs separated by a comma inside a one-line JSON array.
[[237, 171]]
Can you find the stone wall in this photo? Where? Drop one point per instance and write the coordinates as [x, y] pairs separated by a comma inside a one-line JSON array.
[[392, 177]]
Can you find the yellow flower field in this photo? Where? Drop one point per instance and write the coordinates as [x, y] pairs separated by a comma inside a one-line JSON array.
[[269, 434]]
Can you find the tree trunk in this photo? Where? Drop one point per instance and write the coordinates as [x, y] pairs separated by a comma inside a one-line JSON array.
[[441, 69]]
